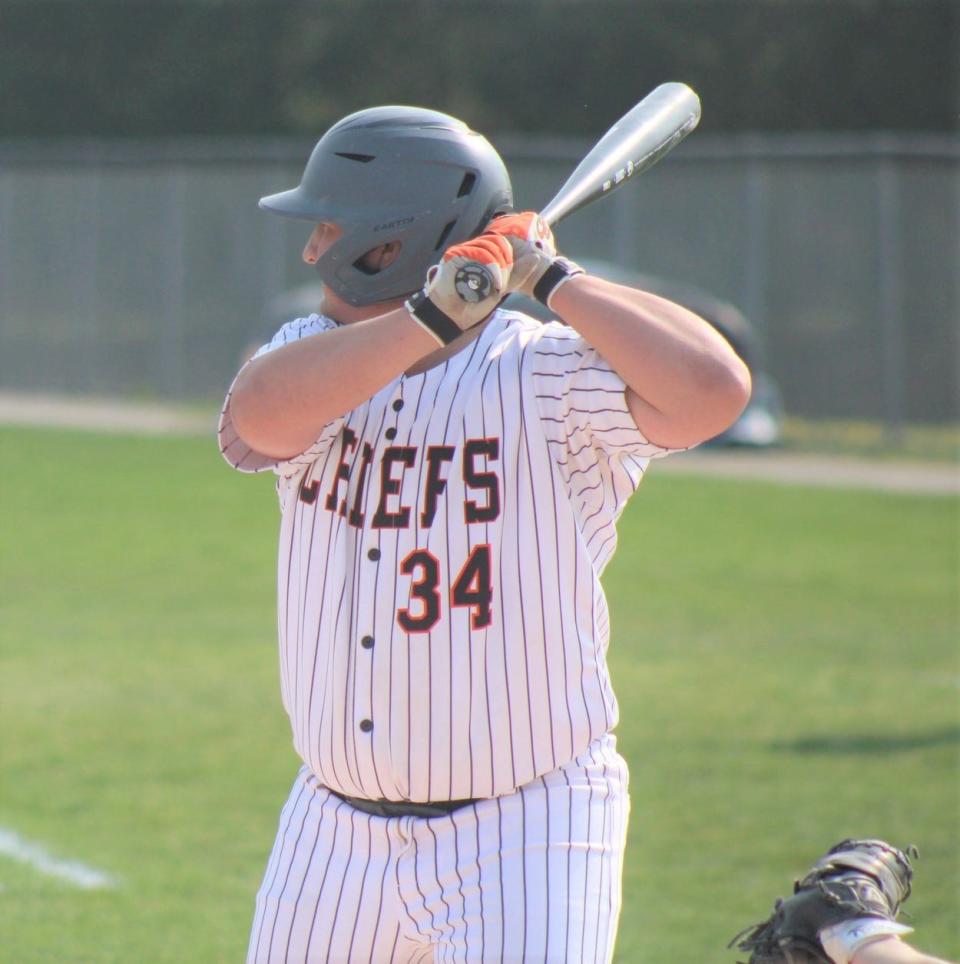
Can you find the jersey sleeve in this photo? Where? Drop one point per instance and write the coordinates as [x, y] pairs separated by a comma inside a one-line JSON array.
[[246, 459], [583, 401]]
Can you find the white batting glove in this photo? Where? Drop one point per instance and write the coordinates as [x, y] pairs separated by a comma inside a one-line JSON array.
[[537, 271], [464, 287]]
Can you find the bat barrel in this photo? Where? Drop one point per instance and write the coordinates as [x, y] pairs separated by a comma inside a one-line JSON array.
[[636, 142]]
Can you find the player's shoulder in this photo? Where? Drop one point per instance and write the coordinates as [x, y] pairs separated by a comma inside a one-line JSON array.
[[539, 348], [525, 330], [299, 328]]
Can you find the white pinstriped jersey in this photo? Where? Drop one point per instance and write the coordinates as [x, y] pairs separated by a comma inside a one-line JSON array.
[[442, 626]]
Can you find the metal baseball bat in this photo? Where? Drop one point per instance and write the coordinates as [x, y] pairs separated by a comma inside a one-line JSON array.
[[635, 143]]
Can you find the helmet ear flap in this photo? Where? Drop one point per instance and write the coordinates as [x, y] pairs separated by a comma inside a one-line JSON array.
[[376, 259]]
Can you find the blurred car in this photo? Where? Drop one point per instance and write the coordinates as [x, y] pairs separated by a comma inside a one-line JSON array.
[[760, 424]]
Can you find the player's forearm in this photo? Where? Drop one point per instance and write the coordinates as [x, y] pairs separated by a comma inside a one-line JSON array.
[[690, 383], [282, 400], [892, 951]]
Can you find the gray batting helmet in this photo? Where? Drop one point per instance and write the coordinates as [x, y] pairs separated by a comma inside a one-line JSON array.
[[402, 174]]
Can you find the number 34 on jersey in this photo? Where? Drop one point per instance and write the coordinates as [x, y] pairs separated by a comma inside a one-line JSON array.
[[471, 588]]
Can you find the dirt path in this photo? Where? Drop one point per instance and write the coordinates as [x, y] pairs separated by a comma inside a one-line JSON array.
[[112, 415], [921, 478], [102, 414]]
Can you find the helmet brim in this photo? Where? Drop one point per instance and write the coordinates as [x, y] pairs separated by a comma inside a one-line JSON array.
[[295, 203]]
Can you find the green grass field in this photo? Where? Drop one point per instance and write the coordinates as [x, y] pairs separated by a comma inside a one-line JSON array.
[[786, 661]]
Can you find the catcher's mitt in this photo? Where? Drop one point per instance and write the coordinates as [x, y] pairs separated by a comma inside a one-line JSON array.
[[854, 879]]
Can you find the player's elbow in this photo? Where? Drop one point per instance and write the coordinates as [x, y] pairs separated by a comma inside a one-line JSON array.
[[253, 406], [729, 388], [721, 393], [245, 409], [707, 401]]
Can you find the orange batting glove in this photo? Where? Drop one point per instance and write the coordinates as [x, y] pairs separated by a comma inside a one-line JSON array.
[[464, 287], [537, 271]]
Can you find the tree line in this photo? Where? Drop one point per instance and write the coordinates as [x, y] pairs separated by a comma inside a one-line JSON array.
[[213, 67]]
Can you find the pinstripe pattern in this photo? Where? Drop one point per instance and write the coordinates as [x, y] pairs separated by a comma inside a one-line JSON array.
[[532, 876], [443, 635], [531, 434]]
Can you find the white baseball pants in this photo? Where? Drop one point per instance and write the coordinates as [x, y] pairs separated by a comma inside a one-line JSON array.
[[534, 876]]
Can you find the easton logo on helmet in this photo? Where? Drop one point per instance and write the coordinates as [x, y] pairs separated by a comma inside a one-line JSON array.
[[398, 223]]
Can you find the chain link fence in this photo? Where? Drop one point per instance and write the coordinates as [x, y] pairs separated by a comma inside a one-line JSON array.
[[145, 269]]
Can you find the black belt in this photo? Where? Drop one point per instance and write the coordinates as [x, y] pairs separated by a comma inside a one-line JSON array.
[[403, 808]]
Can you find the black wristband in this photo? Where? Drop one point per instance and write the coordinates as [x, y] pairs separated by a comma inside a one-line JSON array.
[[559, 271], [437, 322]]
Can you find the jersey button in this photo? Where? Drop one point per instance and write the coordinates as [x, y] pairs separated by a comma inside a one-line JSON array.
[[397, 404], [373, 554], [391, 433], [366, 725], [367, 642]]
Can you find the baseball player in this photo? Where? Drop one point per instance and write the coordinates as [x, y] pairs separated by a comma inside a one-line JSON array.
[[450, 475]]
